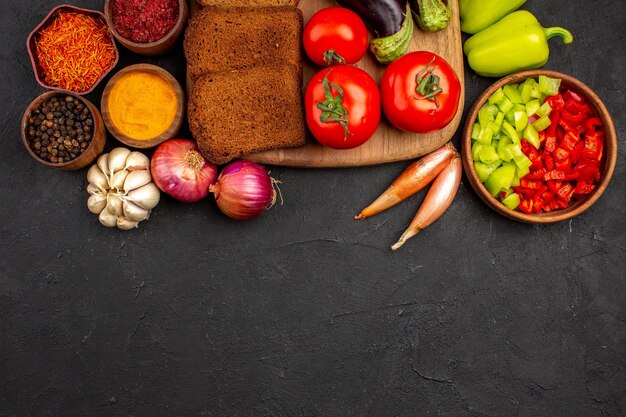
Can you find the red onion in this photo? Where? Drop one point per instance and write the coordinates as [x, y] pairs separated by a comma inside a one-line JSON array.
[[244, 190], [181, 171]]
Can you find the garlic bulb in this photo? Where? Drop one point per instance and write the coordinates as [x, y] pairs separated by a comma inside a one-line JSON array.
[[121, 189]]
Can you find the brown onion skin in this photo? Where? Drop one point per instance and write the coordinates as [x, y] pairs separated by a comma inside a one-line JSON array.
[[437, 201], [179, 170], [244, 190], [415, 178]]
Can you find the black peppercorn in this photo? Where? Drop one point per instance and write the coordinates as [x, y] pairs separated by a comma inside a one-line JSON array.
[[57, 129]]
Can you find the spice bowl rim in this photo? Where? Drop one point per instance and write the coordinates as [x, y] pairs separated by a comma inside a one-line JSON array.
[[146, 47], [607, 166], [33, 56], [85, 158], [157, 140]]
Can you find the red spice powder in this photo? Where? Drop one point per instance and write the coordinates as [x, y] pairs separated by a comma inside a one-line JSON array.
[[144, 21], [74, 51]]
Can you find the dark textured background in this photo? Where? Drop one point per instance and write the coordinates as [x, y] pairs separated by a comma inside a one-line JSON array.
[[306, 312]]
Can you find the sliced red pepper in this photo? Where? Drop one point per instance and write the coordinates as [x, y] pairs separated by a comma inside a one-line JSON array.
[[550, 145], [576, 108], [572, 119], [569, 142], [577, 153], [560, 154], [570, 95], [556, 102], [524, 192], [566, 192], [536, 175], [527, 147], [548, 196], [559, 204], [555, 119], [593, 124], [588, 170], [533, 185], [526, 206], [571, 127], [554, 175], [584, 188], [548, 161], [593, 148], [537, 166], [554, 185], [565, 165]]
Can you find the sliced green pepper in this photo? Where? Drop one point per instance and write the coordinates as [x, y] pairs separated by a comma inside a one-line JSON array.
[[512, 201], [515, 43], [500, 179], [484, 170]]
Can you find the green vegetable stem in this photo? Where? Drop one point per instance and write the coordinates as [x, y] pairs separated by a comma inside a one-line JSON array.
[[477, 15], [431, 15], [515, 43]]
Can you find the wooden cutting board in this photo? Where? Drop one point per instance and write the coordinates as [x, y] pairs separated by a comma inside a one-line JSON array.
[[388, 143]]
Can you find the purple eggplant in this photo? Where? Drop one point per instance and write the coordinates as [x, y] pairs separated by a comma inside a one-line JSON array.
[[391, 22]]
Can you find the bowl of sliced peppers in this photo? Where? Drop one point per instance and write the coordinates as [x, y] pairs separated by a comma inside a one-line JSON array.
[[539, 147]]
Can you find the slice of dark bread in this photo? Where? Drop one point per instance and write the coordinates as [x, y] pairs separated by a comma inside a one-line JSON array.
[[242, 3], [231, 38], [239, 112]]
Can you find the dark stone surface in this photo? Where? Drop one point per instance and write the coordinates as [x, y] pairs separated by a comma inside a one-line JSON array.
[[306, 312]]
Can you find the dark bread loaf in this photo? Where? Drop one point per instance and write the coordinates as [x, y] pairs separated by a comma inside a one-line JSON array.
[[242, 3], [239, 112], [218, 39]]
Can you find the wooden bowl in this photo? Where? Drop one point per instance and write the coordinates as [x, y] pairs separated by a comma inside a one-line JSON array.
[[94, 149], [608, 162], [158, 47], [176, 123], [30, 46]]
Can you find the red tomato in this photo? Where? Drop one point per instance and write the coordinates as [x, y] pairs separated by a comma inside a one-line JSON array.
[[345, 93], [411, 110], [335, 35]]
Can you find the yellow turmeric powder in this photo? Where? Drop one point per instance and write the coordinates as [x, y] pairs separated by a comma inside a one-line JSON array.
[[142, 105]]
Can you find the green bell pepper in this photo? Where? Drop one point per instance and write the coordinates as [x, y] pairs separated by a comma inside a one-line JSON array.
[[515, 43], [476, 15]]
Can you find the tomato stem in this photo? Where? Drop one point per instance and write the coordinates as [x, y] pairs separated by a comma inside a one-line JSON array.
[[331, 57], [332, 108], [428, 84]]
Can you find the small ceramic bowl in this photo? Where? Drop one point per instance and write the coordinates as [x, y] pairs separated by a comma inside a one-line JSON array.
[[158, 47], [94, 149], [32, 49], [178, 118], [608, 161]]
